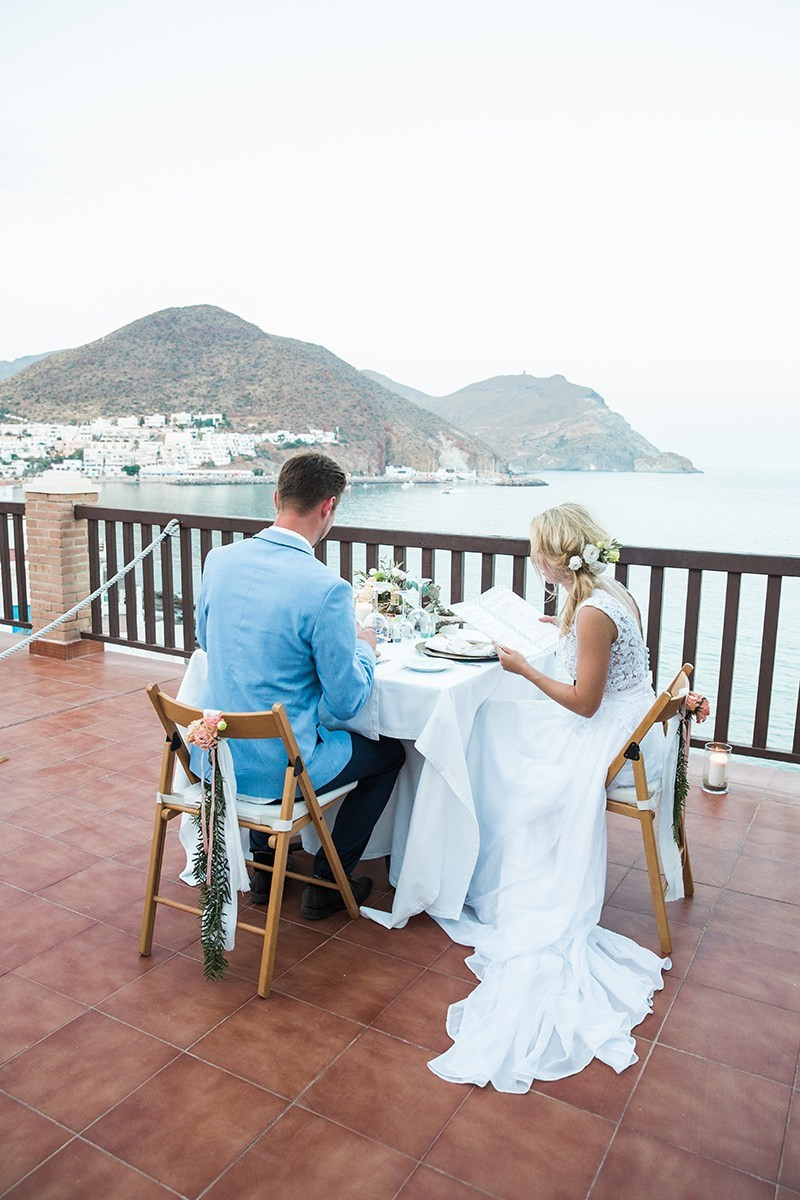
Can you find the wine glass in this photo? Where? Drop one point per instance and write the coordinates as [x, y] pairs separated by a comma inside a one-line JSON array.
[[377, 622]]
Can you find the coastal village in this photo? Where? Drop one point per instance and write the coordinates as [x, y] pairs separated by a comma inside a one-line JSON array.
[[188, 447]]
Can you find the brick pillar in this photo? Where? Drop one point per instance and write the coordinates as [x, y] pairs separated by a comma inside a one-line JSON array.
[[58, 563]]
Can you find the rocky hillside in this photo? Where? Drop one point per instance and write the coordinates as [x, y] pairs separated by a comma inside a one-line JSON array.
[[205, 359], [546, 425]]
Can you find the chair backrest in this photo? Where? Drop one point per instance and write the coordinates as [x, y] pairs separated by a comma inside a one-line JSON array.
[[665, 707], [274, 723]]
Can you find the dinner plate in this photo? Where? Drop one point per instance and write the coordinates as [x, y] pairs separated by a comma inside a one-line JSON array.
[[422, 647], [425, 664]]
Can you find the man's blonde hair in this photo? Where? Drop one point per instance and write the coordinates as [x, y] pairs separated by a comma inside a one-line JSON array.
[[557, 535]]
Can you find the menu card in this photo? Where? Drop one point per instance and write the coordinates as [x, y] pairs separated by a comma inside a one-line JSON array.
[[505, 617]]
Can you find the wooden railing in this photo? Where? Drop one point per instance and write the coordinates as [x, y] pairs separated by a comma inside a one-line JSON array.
[[690, 600], [14, 606]]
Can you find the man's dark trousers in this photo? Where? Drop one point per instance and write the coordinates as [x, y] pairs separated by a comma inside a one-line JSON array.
[[376, 766]]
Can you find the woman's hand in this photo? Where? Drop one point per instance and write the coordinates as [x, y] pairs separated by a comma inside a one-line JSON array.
[[549, 620], [511, 660]]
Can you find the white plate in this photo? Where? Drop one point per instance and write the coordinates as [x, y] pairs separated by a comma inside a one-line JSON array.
[[426, 664]]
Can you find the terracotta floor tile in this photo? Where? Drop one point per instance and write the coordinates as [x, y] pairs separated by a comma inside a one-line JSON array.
[[280, 1043], [634, 893], [349, 980], [779, 845], [398, 1101], [418, 1015], [641, 927], [14, 837], [715, 831], [747, 968], [598, 1088], [103, 888], [662, 1005], [427, 1184], [760, 877], [79, 1071], [138, 855], [81, 1171], [92, 965], [66, 778], [33, 925], [453, 962], [51, 817], [294, 943], [784, 781], [10, 895], [421, 941], [197, 1148], [49, 864], [639, 1166], [28, 1138], [769, 921], [624, 840], [790, 1168], [174, 929], [176, 1002], [556, 1149], [30, 1012], [108, 834], [731, 1029], [741, 804], [342, 1165], [712, 1110]]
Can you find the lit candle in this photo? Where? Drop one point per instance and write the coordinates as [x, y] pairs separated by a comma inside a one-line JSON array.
[[717, 768], [363, 609]]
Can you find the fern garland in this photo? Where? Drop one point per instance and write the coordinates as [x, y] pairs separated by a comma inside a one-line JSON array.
[[214, 885], [681, 779]]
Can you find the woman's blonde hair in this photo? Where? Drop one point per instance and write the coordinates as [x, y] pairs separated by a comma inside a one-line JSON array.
[[557, 535]]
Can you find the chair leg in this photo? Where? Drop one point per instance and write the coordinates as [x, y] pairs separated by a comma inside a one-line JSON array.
[[654, 874], [153, 881], [683, 845], [273, 915], [335, 863]]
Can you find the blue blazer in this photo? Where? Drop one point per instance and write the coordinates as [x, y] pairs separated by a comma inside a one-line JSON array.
[[278, 625]]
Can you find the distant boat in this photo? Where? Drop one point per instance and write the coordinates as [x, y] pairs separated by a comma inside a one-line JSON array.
[[448, 491]]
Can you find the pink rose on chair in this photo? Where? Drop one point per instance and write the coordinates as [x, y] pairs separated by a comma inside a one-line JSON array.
[[697, 706], [206, 729]]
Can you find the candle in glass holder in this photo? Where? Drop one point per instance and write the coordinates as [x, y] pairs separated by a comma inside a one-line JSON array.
[[717, 768]]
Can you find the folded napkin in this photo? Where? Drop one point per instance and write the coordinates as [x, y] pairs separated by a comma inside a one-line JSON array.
[[464, 643]]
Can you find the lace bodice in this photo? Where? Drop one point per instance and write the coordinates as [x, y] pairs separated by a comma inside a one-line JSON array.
[[629, 663]]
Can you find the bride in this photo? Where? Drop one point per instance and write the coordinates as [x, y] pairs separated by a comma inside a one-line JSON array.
[[556, 990]]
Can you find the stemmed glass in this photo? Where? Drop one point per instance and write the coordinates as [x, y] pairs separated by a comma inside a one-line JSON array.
[[376, 621], [422, 621]]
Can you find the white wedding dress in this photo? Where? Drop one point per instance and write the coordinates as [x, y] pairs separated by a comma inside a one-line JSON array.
[[555, 989]]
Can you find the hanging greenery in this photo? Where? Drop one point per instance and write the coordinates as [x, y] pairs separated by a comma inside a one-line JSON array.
[[210, 861]]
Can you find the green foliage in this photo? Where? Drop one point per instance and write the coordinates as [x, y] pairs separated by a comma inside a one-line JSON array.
[[215, 894], [132, 469]]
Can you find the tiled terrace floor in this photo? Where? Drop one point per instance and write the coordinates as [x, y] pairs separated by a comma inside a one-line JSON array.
[[134, 1078]]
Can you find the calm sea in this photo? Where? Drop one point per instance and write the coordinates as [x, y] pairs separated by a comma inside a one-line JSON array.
[[739, 511]]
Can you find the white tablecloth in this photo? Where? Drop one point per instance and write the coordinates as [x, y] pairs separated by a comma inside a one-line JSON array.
[[429, 826]]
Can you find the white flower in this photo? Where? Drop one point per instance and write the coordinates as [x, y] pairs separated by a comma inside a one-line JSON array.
[[381, 588], [575, 563], [398, 574], [591, 554], [373, 571]]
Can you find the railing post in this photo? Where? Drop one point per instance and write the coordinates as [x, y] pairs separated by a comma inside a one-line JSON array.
[[58, 563]]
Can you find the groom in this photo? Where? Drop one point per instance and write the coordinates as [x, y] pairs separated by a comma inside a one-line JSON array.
[[278, 626]]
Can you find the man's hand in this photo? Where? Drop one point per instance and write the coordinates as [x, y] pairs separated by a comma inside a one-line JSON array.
[[367, 635]]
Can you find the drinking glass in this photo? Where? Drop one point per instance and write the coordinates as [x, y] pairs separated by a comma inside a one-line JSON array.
[[377, 622]]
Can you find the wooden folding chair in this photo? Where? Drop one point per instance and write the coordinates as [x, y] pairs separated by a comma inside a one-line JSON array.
[[280, 820], [631, 801]]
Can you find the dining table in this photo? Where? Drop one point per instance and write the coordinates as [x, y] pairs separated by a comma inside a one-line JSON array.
[[429, 828]]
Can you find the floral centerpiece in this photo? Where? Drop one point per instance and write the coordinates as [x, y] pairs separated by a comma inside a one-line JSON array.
[[210, 862], [387, 581], [696, 708]]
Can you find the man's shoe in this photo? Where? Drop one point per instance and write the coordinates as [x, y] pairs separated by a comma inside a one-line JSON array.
[[261, 881], [321, 902]]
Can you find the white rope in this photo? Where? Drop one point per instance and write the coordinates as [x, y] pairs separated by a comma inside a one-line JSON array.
[[171, 527]]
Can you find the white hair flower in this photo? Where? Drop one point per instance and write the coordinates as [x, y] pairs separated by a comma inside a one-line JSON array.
[[575, 563], [591, 553]]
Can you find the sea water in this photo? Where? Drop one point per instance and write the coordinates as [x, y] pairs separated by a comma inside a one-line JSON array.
[[747, 512]]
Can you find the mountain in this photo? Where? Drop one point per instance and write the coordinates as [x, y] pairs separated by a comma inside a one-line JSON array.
[[546, 425], [204, 359], [7, 369]]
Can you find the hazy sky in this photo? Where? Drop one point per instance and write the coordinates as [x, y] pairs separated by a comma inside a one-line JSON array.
[[441, 190]]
